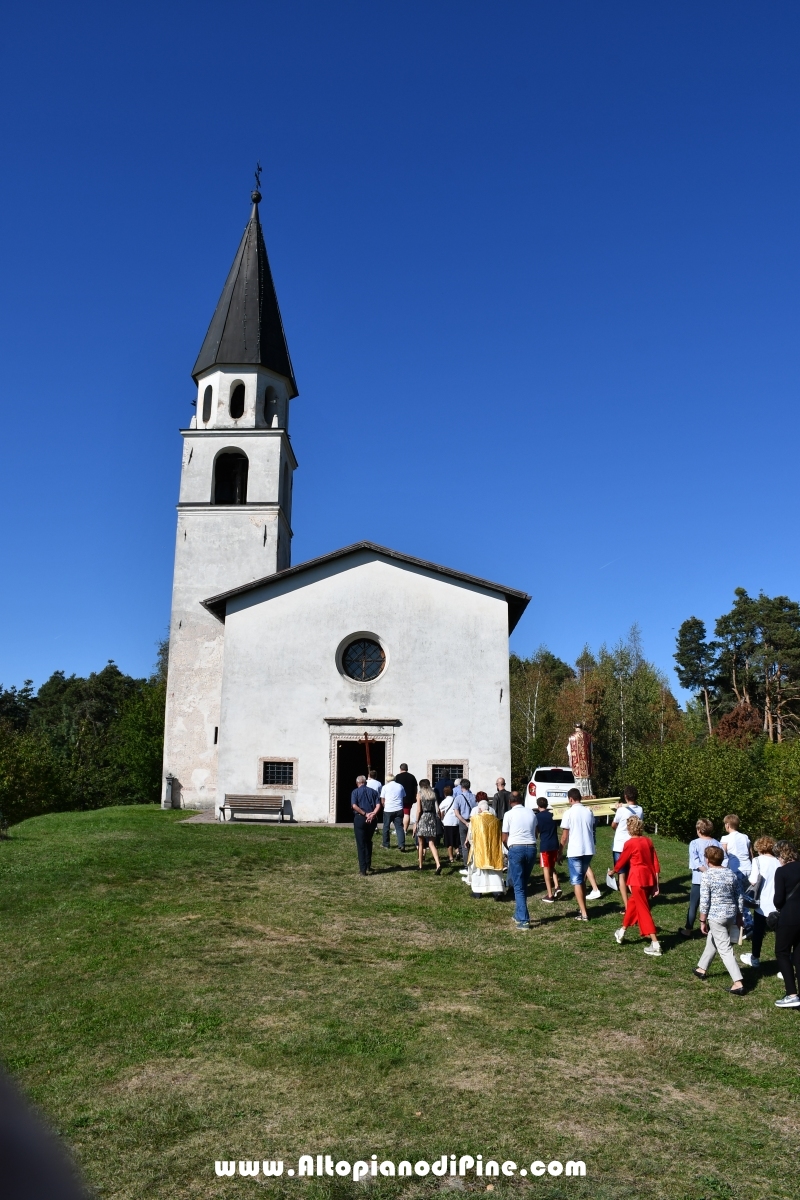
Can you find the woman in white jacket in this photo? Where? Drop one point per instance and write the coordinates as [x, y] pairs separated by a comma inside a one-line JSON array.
[[762, 878]]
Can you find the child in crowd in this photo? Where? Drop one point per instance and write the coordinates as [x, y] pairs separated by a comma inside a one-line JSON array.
[[548, 849], [762, 880], [698, 866]]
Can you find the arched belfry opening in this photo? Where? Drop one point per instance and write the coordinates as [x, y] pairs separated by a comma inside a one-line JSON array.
[[207, 395], [270, 406], [230, 478], [237, 401]]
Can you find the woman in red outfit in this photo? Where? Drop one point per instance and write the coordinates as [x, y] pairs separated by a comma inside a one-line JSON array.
[[639, 856]]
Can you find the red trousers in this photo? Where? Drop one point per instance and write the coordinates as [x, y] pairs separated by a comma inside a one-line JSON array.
[[637, 911]]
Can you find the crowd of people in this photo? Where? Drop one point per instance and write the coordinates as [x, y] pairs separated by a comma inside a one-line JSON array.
[[494, 843]]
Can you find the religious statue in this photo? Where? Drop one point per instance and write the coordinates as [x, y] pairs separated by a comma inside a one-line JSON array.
[[579, 753]]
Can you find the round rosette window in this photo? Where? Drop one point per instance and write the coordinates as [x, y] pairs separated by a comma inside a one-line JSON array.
[[363, 659]]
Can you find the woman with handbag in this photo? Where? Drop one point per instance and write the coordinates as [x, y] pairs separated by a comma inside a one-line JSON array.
[[452, 841], [760, 896], [427, 831], [787, 922]]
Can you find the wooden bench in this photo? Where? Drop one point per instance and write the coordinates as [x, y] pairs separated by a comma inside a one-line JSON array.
[[264, 806]]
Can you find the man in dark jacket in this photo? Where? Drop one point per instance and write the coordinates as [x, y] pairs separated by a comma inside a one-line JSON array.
[[409, 785], [787, 932], [501, 800], [366, 804]]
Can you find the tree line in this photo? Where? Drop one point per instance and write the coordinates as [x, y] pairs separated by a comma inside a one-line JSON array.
[[82, 743], [735, 746]]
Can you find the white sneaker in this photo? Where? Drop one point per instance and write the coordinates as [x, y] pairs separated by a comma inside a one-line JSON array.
[[619, 934], [749, 961], [788, 1002], [595, 894], [654, 950]]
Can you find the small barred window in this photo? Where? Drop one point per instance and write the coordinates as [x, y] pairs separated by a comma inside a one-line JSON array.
[[447, 771], [278, 774]]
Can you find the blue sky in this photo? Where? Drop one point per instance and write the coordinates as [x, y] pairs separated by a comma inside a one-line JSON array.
[[538, 268]]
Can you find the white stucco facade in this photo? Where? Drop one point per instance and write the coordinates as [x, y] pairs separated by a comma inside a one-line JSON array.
[[442, 696], [220, 546]]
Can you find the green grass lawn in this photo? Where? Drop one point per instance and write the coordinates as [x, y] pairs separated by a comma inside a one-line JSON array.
[[172, 994]]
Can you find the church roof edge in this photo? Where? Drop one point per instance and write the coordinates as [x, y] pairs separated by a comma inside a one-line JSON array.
[[517, 601]]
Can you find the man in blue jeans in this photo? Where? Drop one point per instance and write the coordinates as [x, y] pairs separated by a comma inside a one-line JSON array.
[[577, 836], [519, 836], [463, 804]]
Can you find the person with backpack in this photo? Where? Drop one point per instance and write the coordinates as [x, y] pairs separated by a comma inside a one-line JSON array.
[[627, 808], [762, 881]]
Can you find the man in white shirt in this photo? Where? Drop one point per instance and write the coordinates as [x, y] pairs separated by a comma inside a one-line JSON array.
[[577, 834], [736, 846], [519, 837], [626, 808], [392, 797], [373, 781]]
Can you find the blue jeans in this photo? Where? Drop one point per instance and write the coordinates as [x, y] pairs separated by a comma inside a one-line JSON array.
[[520, 865], [397, 819], [578, 866], [694, 905], [747, 915]]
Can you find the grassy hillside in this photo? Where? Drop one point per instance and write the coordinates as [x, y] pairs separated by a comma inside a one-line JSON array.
[[172, 994]]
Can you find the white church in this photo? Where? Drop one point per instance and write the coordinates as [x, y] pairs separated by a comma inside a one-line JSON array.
[[282, 679]]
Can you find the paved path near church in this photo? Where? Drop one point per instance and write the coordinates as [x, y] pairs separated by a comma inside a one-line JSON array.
[[208, 817]]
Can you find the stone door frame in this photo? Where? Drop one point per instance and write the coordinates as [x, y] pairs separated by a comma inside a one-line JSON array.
[[377, 733]]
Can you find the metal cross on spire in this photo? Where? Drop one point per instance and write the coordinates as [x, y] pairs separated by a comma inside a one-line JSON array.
[[255, 195]]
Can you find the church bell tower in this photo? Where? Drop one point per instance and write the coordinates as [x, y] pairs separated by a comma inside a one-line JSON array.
[[234, 510]]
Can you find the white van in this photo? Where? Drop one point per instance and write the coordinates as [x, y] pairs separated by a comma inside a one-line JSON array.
[[551, 782]]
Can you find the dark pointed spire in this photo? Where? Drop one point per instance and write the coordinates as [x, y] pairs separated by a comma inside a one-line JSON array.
[[247, 327]]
